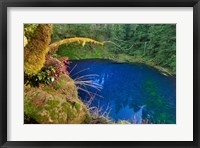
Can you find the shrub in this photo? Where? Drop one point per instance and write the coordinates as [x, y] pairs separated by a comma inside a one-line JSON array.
[[60, 65], [43, 77], [51, 71]]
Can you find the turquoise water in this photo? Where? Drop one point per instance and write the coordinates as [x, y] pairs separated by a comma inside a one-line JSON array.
[[133, 92]]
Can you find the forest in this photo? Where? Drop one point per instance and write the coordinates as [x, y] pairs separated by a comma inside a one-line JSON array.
[[153, 44], [99, 73]]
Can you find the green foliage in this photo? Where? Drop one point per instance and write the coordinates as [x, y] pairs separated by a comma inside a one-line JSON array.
[[29, 30], [52, 70], [42, 77], [154, 43], [62, 31], [82, 52], [65, 85], [57, 101], [47, 105]]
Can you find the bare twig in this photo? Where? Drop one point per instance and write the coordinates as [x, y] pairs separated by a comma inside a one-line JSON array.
[[117, 45], [72, 69], [80, 71]]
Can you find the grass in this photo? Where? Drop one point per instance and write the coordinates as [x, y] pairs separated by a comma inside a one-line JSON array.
[[98, 116]]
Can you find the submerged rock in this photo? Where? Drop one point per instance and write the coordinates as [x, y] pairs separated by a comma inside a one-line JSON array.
[[56, 104]]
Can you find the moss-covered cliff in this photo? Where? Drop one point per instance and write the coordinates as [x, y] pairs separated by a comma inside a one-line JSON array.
[[57, 103]]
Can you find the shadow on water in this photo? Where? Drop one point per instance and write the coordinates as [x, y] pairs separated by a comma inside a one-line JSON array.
[[134, 92]]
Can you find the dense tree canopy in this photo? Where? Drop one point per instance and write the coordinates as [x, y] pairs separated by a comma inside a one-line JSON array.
[[151, 42]]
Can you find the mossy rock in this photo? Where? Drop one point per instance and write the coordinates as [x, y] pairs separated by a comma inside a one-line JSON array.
[[123, 122], [46, 105], [100, 120], [66, 86]]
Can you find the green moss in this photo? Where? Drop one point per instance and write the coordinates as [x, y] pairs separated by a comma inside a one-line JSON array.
[[65, 85], [61, 82], [31, 111], [52, 104], [48, 105], [77, 106], [29, 30], [48, 90], [87, 119], [28, 120], [71, 114], [36, 49]]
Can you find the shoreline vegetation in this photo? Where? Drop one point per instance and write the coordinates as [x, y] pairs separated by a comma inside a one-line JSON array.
[[51, 96], [151, 44], [118, 58]]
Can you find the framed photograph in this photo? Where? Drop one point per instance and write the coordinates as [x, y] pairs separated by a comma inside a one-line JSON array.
[[100, 73]]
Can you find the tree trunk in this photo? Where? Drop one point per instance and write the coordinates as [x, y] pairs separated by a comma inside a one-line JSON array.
[[145, 44], [36, 49]]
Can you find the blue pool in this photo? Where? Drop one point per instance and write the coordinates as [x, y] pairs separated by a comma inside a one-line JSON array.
[[128, 91]]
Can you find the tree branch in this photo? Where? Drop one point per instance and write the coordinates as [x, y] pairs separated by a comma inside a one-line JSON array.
[[118, 45]]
